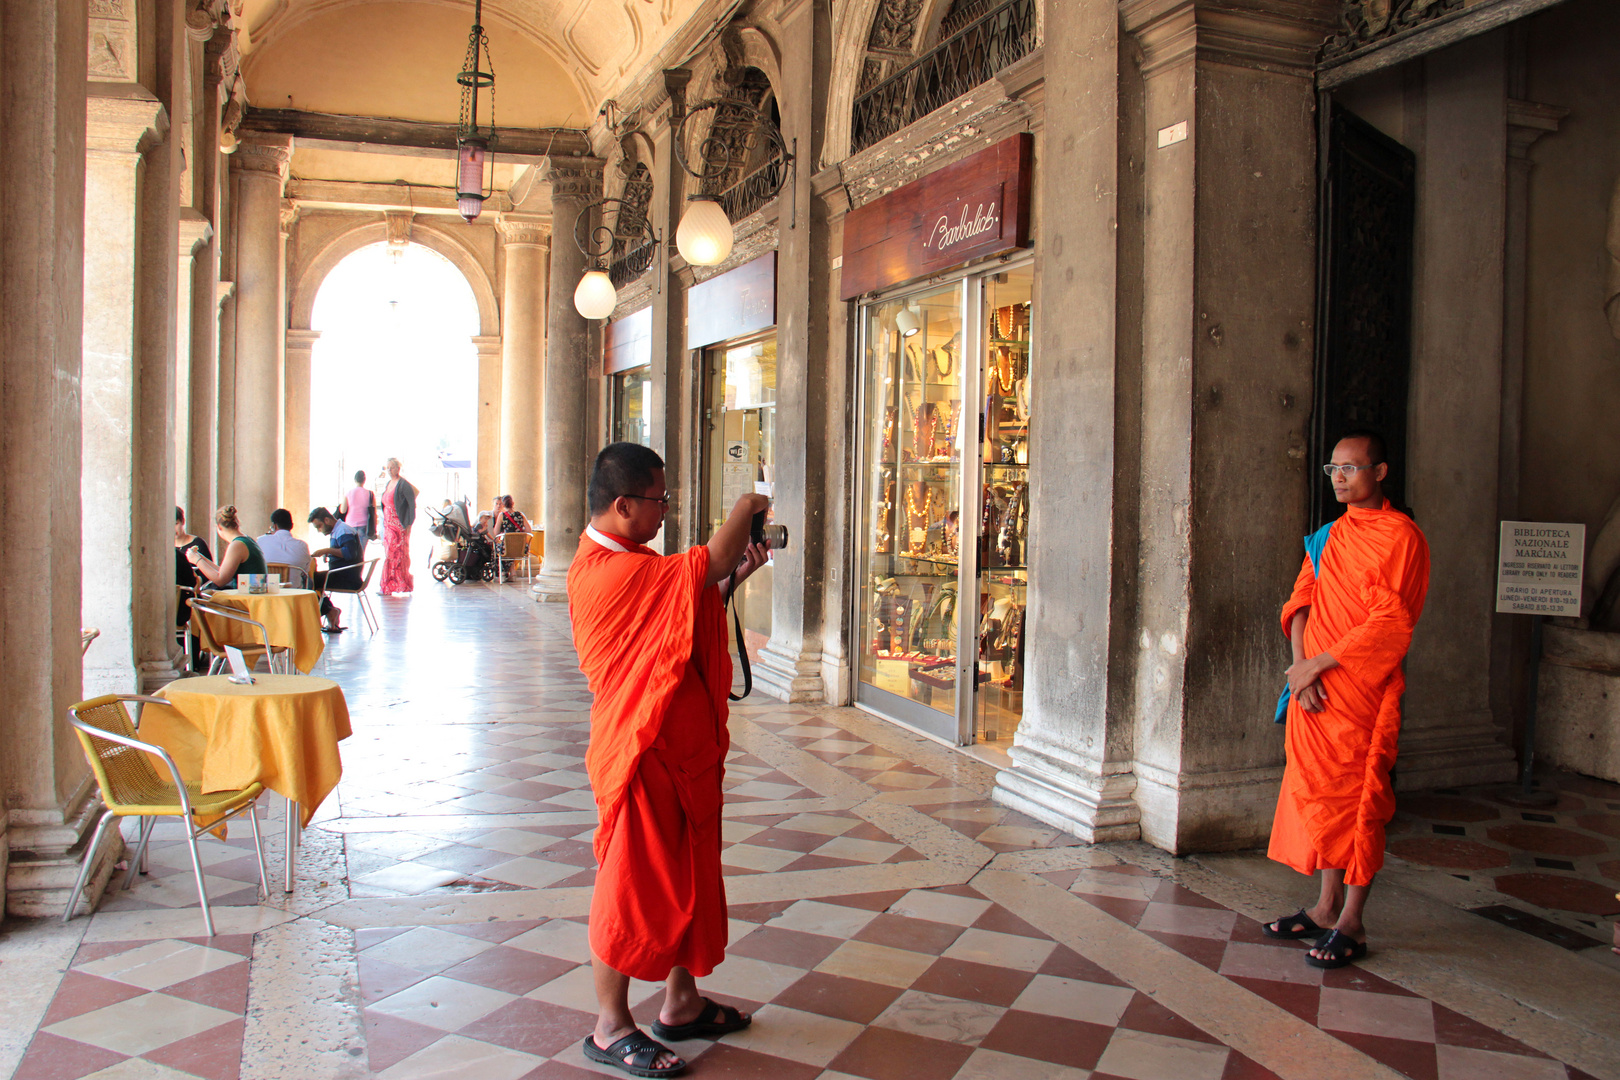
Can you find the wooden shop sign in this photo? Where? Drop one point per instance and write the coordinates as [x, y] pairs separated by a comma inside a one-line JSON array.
[[732, 304], [628, 342], [972, 209]]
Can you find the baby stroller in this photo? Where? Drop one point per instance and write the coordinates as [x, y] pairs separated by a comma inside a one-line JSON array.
[[468, 556]]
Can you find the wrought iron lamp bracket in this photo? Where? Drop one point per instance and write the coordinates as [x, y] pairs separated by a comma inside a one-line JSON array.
[[597, 242], [715, 151]]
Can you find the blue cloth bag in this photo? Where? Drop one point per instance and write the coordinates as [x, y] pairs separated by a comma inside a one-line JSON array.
[[1314, 545]]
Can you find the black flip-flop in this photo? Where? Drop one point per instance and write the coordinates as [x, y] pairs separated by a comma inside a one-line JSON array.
[[333, 629], [1308, 928], [641, 1051], [1342, 949], [715, 1020]]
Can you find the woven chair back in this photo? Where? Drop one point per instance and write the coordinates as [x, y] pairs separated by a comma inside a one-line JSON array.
[[124, 774]]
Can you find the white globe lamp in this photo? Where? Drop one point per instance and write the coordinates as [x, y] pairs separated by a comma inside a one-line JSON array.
[[704, 236], [594, 296], [907, 321]]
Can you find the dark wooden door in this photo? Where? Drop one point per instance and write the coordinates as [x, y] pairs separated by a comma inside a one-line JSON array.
[[1364, 297]]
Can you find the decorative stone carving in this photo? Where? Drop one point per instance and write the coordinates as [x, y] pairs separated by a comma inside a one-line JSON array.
[[112, 40], [289, 216], [574, 178], [1366, 22], [397, 226], [1611, 302], [261, 153], [894, 26], [515, 231]]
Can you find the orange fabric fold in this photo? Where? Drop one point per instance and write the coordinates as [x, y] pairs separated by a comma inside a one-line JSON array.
[[651, 640], [1336, 794]]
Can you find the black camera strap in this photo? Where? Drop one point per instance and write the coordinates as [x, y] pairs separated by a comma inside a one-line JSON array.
[[742, 648]]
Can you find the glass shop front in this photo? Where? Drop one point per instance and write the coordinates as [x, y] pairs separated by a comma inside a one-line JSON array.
[[942, 494], [731, 318], [627, 347]]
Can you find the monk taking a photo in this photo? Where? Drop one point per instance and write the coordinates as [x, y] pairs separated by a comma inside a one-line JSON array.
[[651, 637], [1350, 621]]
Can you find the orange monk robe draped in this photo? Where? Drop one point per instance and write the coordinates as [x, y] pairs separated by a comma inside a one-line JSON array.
[[651, 639], [1336, 794]]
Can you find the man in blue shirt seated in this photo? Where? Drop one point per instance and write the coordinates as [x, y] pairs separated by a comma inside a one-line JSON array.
[[343, 571]]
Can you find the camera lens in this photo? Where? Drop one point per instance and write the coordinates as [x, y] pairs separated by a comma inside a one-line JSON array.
[[775, 536]]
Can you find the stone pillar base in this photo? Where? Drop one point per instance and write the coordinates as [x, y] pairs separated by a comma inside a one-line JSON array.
[[1466, 750], [1098, 809], [156, 674], [110, 680], [790, 678], [1206, 811], [550, 587], [46, 851]]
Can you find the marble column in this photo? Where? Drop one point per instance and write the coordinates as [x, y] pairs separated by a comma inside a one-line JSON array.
[[675, 384], [195, 232], [219, 53], [119, 131], [42, 211], [295, 482], [526, 241], [260, 164], [1072, 751], [790, 665], [488, 473], [572, 356]]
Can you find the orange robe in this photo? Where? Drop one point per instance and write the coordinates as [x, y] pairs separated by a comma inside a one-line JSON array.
[[1336, 794], [651, 639]]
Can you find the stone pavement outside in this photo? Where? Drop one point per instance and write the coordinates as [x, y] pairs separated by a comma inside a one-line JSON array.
[[888, 920]]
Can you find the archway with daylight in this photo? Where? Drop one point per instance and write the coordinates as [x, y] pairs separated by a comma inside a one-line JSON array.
[[394, 373]]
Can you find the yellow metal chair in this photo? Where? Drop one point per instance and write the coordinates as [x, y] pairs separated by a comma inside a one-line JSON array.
[[362, 602], [208, 635], [131, 787], [513, 548], [294, 577]]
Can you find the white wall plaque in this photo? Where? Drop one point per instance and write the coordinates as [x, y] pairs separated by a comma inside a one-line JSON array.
[[1538, 568], [1173, 134]]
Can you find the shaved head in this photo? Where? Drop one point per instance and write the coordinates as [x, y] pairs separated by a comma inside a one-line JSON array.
[[624, 468]]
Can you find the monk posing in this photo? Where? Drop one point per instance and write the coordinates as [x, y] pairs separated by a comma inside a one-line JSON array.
[[651, 637], [1350, 620]]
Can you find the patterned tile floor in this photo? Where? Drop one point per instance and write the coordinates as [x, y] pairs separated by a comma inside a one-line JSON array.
[[888, 920]]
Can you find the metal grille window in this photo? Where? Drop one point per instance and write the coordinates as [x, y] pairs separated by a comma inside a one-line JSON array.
[[965, 59], [632, 252]]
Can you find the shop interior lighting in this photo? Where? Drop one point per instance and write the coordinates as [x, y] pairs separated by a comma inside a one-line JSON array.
[[909, 321]]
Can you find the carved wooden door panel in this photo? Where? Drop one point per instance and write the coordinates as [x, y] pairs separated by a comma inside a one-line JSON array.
[[1364, 297]]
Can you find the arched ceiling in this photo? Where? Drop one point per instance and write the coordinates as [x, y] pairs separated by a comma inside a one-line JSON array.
[[555, 60]]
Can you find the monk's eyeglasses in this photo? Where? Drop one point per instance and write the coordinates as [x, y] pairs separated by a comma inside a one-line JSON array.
[[651, 498], [1347, 471]]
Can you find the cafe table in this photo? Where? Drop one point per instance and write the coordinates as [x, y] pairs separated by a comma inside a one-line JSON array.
[[282, 731], [291, 618]]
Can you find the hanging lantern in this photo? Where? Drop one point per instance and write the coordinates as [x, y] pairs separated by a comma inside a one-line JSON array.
[[596, 296], [704, 236], [474, 143], [907, 321]]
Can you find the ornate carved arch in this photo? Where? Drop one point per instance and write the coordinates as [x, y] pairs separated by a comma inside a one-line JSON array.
[[301, 303]]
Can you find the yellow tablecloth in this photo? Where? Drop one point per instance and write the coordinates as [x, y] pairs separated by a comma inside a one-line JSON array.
[[282, 731], [292, 618]]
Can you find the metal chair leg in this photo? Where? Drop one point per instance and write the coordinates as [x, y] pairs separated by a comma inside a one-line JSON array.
[[137, 864], [292, 842], [215, 665], [371, 616], [196, 866], [84, 869], [258, 849]]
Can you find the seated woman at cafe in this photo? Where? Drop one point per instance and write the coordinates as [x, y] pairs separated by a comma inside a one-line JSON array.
[[238, 555], [185, 576], [507, 518]]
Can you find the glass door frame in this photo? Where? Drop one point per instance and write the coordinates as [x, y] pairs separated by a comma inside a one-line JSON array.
[[970, 285], [708, 420]]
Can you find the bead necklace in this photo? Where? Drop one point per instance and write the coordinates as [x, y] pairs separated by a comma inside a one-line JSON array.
[[1004, 369], [948, 364]]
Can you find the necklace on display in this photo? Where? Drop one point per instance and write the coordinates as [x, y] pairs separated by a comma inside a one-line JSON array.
[[1004, 369], [944, 362], [926, 420], [917, 518]]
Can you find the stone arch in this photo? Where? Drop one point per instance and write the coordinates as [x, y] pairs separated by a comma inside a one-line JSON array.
[[849, 62], [302, 301]]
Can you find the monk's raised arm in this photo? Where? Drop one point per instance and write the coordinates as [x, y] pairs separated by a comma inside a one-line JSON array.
[[1300, 599], [730, 540]]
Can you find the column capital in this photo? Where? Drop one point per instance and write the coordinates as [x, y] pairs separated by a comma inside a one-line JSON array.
[[302, 338], [574, 179], [263, 153], [289, 215], [520, 230], [1272, 35], [128, 125], [223, 292], [487, 344], [220, 57], [195, 231], [1528, 121]]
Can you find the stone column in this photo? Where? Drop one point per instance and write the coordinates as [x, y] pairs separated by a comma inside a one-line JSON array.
[[219, 53], [295, 483], [260, 164], [570, 359], [790, 665], [195, 232], [1449, 735], [1072, 752], [42, 210], [1228, 284], [119, 131], [674, 384], [526, 240], [489, 419]]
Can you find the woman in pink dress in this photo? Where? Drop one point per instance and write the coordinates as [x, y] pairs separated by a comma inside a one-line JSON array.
[[399, 513]]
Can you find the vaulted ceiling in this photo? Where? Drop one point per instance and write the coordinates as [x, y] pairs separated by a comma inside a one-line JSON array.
[[555, 60]]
